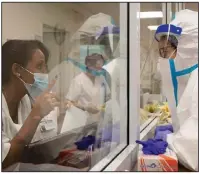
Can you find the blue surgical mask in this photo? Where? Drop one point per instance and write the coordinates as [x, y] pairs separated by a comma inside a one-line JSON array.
[[96, 72], [86, 69], [106, 62], [39, 85]]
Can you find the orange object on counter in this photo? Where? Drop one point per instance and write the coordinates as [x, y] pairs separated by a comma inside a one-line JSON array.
[[167, 162]]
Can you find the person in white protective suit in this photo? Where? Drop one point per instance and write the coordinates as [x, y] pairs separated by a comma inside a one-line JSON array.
[[84, 36], [28, 107], [89, 90], [82, 81], [178, 65]]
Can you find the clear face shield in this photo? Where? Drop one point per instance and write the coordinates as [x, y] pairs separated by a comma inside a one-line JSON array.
[[167, 46], [108, 37], [167, 37], [174, 65], [84, 88]]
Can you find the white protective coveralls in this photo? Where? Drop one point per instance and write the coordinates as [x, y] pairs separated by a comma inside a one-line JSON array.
[[185, 141], [83, 36], [184, 107], [76, 80]]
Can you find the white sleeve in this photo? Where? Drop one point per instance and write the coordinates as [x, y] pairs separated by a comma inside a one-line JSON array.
[[74, 90], [5, 146], [185, 140]]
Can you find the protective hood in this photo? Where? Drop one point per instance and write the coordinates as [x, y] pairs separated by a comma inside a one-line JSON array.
[[175, 73], [185, 28], [93, 25], [188, 41]]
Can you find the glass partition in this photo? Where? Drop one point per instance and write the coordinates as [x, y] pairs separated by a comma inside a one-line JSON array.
[[72, 77], [190, 6], [151, 16]]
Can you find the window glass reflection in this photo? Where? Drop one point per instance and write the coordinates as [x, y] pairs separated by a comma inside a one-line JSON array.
[[151, 96], [62, 92]]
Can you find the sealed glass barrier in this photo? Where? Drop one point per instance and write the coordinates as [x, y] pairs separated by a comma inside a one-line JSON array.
[[151, 99], [87, 96], [66, 107]]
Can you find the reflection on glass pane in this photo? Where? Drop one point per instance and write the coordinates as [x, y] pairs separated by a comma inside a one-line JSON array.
[[191, 6], [174, 9], [68, 88], [150, 77]]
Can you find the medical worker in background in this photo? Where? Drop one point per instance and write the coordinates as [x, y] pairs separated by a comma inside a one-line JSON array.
[[178, 65], [86, 90]]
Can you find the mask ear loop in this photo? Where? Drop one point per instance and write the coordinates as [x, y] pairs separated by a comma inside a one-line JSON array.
[[19, 77], [26, 70], [172, 53]]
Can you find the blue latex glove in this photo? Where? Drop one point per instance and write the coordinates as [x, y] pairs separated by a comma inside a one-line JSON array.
[[153, 147], [164, 128], [162, 135], [85, 142], [161, 132]]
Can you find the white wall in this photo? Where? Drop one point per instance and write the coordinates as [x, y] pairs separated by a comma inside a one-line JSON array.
[[112, 9], [25, 20]]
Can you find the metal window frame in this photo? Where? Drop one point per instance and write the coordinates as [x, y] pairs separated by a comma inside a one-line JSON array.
[[124, 159], [168, 12], [134, 63], [127, 159]]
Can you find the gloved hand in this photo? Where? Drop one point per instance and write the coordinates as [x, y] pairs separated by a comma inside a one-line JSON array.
[[164, 127], [85, 142], [91, 108], [161, 132], [162, 135], [153, 147]]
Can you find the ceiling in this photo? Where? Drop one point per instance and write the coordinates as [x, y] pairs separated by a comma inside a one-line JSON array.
[[191, 6], [146, 35], [111, 9]]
